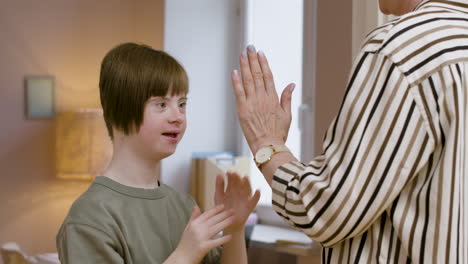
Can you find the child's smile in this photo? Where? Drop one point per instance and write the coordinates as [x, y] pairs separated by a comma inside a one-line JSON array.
[[172, 136]]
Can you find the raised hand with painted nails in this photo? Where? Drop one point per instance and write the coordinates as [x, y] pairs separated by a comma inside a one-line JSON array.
[[264, 118]]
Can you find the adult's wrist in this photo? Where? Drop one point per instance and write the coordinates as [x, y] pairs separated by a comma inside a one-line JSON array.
[[254, 147]]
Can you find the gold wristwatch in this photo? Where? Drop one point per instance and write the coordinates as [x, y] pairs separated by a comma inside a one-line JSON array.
[[265, 153]]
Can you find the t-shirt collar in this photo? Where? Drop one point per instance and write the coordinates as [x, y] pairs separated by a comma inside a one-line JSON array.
[[156, 193]]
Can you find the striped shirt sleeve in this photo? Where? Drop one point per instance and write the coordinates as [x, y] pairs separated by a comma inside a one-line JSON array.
[[372, 150]]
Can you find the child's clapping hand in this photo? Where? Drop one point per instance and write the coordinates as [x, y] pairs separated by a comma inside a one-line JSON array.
[[237, 197], [233, 207], [200, 233]]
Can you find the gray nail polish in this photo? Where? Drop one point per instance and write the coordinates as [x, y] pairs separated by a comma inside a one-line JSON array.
[[251, 48]]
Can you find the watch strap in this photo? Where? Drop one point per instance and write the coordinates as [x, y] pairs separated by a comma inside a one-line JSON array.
[[276, 149], [279, 148]]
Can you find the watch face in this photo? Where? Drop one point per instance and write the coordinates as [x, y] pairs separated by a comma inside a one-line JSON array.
[[263, 154]]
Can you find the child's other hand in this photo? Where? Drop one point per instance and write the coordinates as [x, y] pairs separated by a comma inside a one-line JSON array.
[[198, 237], [237, 197]]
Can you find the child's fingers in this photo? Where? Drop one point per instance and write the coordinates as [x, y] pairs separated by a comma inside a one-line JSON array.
[[220, 226], [214, 243], [246, 185], [233, 181], [213, 211], [230, 181], [219, 193], [195, 213], [219, 217], [254, 200]]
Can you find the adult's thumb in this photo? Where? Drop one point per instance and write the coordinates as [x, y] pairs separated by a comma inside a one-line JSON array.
[[286, 97]]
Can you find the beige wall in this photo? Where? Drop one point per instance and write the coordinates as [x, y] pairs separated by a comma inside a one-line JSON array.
[[334, 59], [366, 17], [66, 39]]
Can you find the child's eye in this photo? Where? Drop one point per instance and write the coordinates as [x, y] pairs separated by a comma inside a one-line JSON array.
[[161, 105], [183, 105]]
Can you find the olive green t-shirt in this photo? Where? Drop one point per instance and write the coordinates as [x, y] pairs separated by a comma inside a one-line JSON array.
[[115, 223]]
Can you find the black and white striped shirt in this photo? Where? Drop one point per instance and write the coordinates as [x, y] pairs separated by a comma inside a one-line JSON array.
[[391, 185]]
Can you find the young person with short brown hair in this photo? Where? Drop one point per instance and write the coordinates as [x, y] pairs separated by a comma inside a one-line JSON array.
[[126, 215]]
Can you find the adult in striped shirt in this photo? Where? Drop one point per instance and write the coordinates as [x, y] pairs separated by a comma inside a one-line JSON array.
[[391, 184]]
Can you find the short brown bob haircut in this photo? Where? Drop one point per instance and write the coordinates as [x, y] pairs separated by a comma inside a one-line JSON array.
[[132, 73]]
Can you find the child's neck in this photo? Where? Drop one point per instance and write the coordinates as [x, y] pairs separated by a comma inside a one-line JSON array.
[[127, 168]]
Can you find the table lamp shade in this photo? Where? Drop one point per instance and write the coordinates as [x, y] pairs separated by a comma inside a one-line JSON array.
[[83, 147]]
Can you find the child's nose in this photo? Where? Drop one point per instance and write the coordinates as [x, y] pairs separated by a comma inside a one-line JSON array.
[[176, 116]]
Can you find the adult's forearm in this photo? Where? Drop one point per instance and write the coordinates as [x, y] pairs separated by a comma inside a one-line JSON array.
[[276, 161]]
